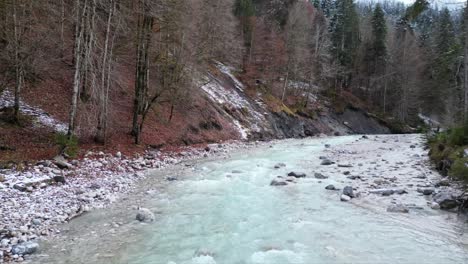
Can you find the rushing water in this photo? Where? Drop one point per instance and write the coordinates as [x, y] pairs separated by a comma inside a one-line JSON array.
[[212, 215]]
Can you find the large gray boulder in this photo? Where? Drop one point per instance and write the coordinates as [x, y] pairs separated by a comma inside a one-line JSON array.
[[145, 215], [446, 200], [25, 248], [348, 191]]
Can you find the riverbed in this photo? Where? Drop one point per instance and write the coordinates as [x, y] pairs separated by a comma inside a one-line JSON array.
[[226, 211]]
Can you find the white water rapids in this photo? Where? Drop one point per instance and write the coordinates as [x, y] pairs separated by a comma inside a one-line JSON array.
[[224, 211]]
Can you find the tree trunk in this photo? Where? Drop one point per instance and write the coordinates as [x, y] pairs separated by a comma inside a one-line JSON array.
[[465, 67]]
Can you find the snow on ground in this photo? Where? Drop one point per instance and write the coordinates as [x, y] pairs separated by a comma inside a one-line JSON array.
[[228, 71], [42, 118], [429, 121], [234, 99]]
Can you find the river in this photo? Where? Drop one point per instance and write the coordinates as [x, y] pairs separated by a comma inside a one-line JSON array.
[[225, 211]]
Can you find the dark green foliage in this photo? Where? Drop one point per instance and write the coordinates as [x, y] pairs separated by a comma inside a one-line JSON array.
[[379, 31], [446, 51], [415, 10], [459, 169], [244, 8], [316, 3], [345, 34], [68, 145]]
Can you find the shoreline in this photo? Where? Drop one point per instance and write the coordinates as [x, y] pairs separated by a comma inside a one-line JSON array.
[[40, 198], [98, 182]]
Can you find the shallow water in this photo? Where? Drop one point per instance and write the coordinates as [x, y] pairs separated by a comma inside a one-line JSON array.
[[225, 211]]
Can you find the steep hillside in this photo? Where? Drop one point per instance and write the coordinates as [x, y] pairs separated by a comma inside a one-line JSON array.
[[222, 108]]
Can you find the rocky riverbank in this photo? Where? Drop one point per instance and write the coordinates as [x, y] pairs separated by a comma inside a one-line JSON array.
[[381, 171], [39, 198], [390, 174]]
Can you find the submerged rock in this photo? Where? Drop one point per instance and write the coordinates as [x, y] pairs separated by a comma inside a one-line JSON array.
[[397, 208], [331, 187], [326, 162], [278, 182], [25, 248], [279, 165], [318, 175], [297, 174], [145, 215]]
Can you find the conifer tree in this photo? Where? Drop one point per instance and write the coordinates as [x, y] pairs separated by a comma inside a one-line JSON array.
[[345, 38]]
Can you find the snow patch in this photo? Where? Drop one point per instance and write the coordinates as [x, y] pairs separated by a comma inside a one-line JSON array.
[[228, 71], [42, 118], [245, 115]]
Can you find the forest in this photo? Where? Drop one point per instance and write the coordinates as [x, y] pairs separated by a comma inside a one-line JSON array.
[[400, 61]]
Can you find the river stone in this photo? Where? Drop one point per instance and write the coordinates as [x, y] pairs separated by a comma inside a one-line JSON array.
[[279, 165], [145, 215], [331, 187], [397, 208], [20, 187], [318, 175], [326, 162], [62, 163], [276, 182], [443, 182], [435, 206], [36, 222], [446, 200], [25, 248], [297, 174], [2, 178], [345, 165], [59, 179], [345, 198], [387, 192], [427, 191], [348, 191]]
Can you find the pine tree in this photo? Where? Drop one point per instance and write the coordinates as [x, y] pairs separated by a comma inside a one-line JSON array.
[[379, 31], [345, 37], [446, 50]]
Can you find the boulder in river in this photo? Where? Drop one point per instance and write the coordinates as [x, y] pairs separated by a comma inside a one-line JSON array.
[[426, 191], [446, 200], [297, 174], [397, 208], [320, 176], [345, 198], [348, 191], [331, 187], [345, 165], [326, 162], [278, 182], [25, 248], [145, 215]]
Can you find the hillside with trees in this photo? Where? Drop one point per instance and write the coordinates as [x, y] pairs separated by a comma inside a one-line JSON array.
[[131, 73]]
